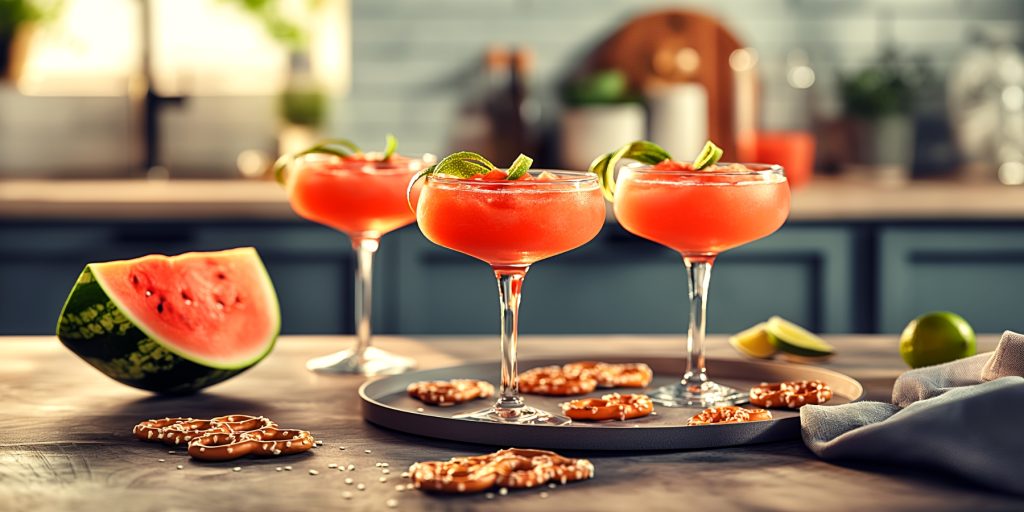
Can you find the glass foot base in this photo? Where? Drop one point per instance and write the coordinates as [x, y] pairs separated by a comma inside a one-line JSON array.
[[707, 394], [374, 362], [520, 416]]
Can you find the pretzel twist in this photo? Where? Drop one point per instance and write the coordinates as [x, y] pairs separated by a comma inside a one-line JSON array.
[[450, 392], [609, 375], [609, 407], [556, 381], [178, 431], [792, 394], [225, 437], [267, 442], [515, 468], [728, 414]]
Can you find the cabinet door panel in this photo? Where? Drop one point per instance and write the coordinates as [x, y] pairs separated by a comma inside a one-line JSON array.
[[977, 272]]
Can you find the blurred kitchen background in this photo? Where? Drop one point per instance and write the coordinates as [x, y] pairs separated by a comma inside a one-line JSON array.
[[136, 126]]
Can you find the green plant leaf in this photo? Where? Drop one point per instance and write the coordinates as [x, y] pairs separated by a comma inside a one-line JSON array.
[[519, 167], [390, 145], [642, 151]]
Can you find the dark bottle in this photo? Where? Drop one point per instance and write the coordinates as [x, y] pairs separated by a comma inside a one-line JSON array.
[[476, 129], [514, 112]]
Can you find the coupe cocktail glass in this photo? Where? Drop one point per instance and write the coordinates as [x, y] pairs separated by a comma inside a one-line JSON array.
[[700, 214], [510, 225], [364, 199]]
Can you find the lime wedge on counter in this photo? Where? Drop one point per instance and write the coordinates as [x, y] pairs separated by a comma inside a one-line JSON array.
[[755, 342], [793, 339], [708, 156]]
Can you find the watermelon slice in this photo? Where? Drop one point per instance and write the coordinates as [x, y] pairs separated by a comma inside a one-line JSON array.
[[173, 324]]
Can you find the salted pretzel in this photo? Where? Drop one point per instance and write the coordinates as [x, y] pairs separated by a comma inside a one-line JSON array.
[[266, 442], [792, 394], [514, 467], [177, 431], [728, 414], [556, 381], [225, 437], [609, 407], [609, 375], [450, 392]]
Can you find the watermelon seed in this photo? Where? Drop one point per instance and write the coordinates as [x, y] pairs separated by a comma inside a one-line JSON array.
[[160, 307], [135, 279], [221, 276], [149, 293]]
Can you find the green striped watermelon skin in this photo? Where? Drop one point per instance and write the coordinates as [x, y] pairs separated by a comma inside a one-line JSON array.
[[95, 329]]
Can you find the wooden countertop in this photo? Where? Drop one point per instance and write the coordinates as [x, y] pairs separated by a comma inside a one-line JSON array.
[[823, 200], [65, 442]]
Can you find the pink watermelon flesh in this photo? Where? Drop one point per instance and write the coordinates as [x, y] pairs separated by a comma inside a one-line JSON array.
[[216, 308]]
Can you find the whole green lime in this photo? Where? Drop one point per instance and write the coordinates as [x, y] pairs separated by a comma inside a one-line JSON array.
[[935, 338]]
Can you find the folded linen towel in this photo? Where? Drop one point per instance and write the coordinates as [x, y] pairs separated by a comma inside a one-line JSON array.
[[965, 417]]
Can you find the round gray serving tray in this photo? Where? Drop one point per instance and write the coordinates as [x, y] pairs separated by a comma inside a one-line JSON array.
[[386, 403]]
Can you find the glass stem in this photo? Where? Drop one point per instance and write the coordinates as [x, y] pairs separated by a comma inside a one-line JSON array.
[[510, 287], [698, 272], [365, 249]]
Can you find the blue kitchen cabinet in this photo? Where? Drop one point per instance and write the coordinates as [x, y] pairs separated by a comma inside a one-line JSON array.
[[619, 283], [976, 271], [311, 266]]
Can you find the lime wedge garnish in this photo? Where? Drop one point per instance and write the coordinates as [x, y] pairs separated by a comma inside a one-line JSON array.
[[755, 342], [390, 145], [708, 156], [338, 147], [793, 339], [519, 167], [461, 164], [642, 151]]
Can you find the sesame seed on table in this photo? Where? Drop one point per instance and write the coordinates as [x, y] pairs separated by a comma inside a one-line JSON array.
[[66, 442]]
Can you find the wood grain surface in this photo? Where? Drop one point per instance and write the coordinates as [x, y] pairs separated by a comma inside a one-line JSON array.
[[66, 443]]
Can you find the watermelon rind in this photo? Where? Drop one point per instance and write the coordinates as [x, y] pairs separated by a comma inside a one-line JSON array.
[[110, 339]]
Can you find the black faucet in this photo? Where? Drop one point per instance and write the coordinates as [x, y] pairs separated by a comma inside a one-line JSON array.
[[146, 103]]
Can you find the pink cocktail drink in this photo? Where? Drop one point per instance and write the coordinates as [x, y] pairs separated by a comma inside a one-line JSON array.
[[700, 213], [358, 197], [703, 212], [365, 199], [511, 224]]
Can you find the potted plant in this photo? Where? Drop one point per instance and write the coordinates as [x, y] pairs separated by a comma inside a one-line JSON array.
[[879, 103], [17, 20], [302, 102], [601, 112]]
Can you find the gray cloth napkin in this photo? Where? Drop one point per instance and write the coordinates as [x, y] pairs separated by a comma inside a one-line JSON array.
[[966, 417]]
